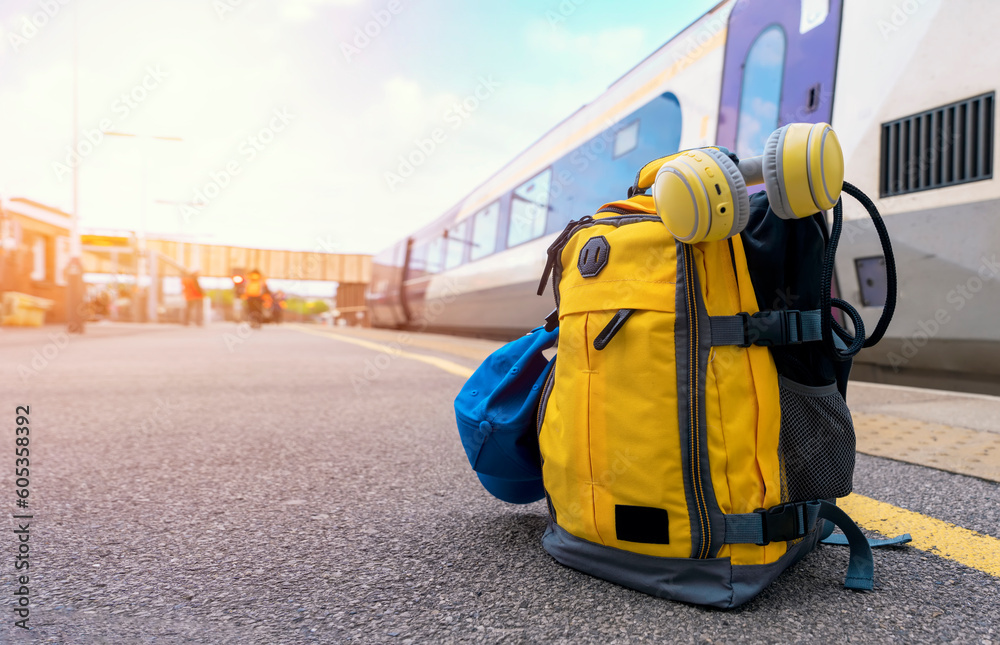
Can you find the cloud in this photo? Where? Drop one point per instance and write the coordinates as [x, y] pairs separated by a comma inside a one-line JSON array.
[[769, 50], [304, 10], [402, 111], [605, 46], [757, 120], [588, 61]]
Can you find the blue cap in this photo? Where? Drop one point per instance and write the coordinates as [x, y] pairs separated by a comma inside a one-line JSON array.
[[496, 413]]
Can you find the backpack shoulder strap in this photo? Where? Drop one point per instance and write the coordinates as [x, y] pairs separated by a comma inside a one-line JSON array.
[[827, 536], [841, 540]]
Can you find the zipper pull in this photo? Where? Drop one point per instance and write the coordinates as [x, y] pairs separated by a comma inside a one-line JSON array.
[[612, 328]]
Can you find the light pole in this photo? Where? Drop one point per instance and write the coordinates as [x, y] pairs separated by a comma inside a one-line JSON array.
[[74, 269]]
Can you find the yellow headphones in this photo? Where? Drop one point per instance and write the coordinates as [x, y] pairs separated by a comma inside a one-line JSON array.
[[701, 194]]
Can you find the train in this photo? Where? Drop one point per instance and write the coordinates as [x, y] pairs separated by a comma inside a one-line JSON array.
[[908, 85]]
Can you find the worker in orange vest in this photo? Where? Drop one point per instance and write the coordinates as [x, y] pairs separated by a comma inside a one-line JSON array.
[[253, 293], [194, 298]]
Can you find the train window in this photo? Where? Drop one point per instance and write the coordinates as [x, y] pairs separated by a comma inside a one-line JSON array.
[[872, 280], [458, 239], [435, 254], [760, 96], [484, 231], [626, 139], [418, 258], [38, 272], [813, 14], [528, 209]]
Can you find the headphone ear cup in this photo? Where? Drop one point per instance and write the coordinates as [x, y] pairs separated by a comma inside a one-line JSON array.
[[679, 196], [814, 177], [738, 189], [774, 177], [701, 196]]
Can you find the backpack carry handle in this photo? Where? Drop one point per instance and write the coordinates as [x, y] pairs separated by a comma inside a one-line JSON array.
[[647, 175]]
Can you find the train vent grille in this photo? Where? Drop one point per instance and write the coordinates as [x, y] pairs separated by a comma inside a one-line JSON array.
[[949, 145]]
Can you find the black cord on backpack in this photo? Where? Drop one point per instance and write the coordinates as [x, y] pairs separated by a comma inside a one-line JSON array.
[[830, 326], [890, 263], [826, 316], [856, 342]]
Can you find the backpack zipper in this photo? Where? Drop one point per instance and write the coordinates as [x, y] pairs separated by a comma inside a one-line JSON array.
[[621, 211], [543, 405], [694, 438], [544, 400]]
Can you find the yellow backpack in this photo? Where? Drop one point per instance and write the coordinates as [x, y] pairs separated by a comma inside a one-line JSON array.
[[693, 431]]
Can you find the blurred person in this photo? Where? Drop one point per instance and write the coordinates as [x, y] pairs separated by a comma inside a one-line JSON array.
[[278, 307], [194, 297], [254, 291], [101, 304], [266, 306]]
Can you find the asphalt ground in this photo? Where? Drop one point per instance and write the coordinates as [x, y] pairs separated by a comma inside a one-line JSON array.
[[214, 485]]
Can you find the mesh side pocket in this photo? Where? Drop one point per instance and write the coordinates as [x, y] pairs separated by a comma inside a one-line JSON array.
[[816, 445]]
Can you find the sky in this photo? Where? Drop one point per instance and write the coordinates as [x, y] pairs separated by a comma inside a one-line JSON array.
[[281, 123]]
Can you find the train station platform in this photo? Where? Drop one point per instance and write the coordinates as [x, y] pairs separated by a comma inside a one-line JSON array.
[[306, 484]]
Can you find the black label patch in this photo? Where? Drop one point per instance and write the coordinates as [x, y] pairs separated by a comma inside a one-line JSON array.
[[642, 524], [594, 256]]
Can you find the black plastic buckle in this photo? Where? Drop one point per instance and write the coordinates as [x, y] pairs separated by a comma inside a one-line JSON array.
[[770, 328], [634, 190], [552, 320], [780, 523], [793, 321], [746, 329]]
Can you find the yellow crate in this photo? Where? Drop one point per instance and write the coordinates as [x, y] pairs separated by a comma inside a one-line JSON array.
[[23, 310]]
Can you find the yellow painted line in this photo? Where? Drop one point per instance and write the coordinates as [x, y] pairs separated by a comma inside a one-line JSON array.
[[446, 365], [933, 445], [470, 348], [932, 535]]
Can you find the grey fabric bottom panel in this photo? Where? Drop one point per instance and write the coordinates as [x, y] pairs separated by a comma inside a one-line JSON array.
[[750, 579], [714, 582]]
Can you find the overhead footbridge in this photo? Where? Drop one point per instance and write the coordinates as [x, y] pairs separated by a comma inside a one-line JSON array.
[[116, 254], [154, 259]]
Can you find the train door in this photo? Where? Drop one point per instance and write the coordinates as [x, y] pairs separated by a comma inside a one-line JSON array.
[[780, 65]]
